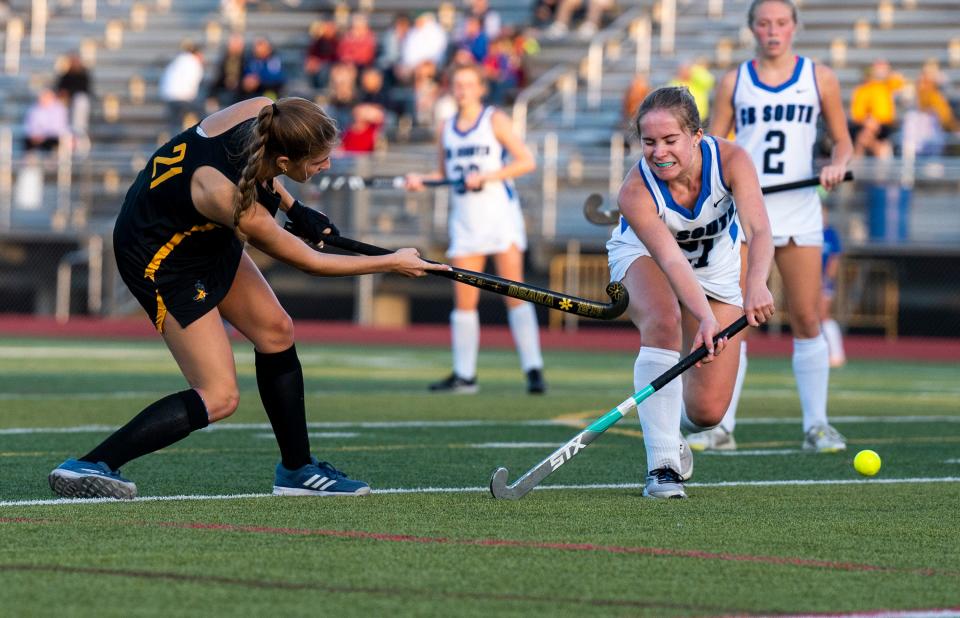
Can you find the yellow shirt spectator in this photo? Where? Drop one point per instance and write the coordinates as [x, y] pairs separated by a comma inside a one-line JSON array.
[[874, 98]]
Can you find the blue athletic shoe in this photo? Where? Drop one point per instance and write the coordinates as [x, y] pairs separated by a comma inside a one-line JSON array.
[[81, 479], [317, 478]]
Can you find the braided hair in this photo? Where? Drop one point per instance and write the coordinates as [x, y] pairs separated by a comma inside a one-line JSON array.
[[292, 127]]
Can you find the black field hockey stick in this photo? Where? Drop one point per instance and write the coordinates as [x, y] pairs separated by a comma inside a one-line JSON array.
[[594, 211], [348, 182], [498, 482], [514, 289]]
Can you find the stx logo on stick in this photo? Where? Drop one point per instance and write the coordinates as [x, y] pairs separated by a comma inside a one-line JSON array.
[[569, 449]]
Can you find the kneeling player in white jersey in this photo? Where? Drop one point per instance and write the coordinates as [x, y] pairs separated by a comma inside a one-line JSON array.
[[773, 102], [684, 208], [485, 220]]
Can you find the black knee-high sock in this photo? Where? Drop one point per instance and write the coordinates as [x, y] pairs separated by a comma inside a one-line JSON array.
[[159, 425], [280, 382]]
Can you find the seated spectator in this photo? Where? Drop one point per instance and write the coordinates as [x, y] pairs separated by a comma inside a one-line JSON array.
[[503, 70], [489, 19], [358, 45], [873, 110], [698, 79], [342, 93], [426, 91], [930, 97], [364, 130], [474, 39], [45, 123], [263, 74], [426, 42], [180, 85], [322, 52], [225, 88], [75, 90], [391, 49], [589, 26], [636, 92], [544, 12]]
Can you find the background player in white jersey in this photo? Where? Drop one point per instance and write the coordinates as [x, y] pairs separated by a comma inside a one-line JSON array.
[[773, 102], [485, 220], [679, 236]]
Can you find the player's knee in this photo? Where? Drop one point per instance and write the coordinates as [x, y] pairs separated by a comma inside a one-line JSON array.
[[708, 413], [807, 324], [221, 403], [279, 332], [661, 329]]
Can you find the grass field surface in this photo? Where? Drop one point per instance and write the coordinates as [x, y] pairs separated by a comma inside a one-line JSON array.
[[767, 530]]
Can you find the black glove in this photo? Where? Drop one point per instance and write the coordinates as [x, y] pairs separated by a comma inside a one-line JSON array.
[[269, 198], [308, 223]]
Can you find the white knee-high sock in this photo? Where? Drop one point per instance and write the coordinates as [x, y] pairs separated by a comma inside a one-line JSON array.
[[729, 421], [831, 331], [811, 366], [465, 335], [526, 336], [659, 413]]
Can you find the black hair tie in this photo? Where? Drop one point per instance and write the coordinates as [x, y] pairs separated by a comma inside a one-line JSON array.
[[276, 110]]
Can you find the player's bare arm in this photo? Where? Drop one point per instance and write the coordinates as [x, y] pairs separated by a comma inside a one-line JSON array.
[[831, 106], [742, 177], [721, 114]]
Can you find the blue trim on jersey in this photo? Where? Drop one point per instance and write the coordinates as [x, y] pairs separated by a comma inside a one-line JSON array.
[[509, 189], [704, 186], [471, 129], [720, 165], [733, 105], [816, 86], [623, 224], [733, 231], [793, 78]]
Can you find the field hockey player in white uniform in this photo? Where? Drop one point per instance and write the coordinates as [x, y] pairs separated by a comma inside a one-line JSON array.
[[773, 103], [485, 220], [684, 208]]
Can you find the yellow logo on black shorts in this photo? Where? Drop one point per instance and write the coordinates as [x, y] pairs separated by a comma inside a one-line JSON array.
[[201, 292]]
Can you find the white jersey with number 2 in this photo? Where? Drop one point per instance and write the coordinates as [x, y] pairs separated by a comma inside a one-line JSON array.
[[777, 126], [708, 234], [487, 221]]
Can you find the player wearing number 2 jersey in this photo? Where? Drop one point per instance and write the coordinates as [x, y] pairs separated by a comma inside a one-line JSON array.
[[773, 103], [485, 220], [684, 208]]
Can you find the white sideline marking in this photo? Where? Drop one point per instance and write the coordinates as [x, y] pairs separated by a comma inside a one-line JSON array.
[[748, 453], [909, 613], [461, 490], [953, 461], [474, 423]]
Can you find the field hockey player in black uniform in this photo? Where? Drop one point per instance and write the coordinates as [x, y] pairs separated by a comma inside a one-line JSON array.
[[179, 247]]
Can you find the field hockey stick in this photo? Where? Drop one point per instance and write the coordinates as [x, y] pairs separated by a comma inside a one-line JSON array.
[[594, 211], [498, 481], [514, 289], [359, 183]]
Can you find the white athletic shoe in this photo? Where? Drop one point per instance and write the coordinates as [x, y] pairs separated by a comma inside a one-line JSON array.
[[716, 439], [686, 460], [664, 483], [824, 439]]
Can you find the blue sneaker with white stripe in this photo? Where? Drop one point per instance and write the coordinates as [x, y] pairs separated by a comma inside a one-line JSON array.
[[81, 479], [317, 478]]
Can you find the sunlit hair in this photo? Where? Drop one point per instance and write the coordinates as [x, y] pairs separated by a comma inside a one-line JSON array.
[[293, 127], [675, 99], [476, 69], [752, 11]]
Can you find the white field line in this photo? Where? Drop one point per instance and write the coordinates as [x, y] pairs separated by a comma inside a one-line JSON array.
[[754, 453], [883, 613], [162, 354], [460, 490], [474, 423], [952, 461]]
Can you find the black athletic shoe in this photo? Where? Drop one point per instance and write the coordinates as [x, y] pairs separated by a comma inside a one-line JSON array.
[[456, 385], [535, 383]]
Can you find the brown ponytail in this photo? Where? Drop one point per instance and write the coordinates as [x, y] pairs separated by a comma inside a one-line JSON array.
[[292, 127]]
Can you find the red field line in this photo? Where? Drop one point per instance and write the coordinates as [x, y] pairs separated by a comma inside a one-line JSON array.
[[513, 543], [620, 337], [271, 584]]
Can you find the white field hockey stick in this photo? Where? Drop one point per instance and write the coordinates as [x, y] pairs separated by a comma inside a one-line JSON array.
[[498, 482]]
